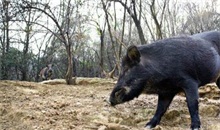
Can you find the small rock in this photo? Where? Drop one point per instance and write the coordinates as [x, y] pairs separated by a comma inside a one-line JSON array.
[[102, 127]]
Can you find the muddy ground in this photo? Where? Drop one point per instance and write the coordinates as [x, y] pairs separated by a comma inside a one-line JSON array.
[[37, 106]]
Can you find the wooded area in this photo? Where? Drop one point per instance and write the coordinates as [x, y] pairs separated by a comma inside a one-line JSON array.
[[87, 38]]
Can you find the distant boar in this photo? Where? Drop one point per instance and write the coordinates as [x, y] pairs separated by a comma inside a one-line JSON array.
[[166, 68], [46, 72]]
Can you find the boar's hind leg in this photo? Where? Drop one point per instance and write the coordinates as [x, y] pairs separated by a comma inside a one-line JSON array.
[[218, 82], [163, 103], [190, 88]]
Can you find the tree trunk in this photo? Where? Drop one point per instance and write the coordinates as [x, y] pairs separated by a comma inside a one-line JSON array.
[[5, 41], [101, 64], [140, 31], [110, 32], [69, 79], [156, 21], [25, 52], [135, 19]]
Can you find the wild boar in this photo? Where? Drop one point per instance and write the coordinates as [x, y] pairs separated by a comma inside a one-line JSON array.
[[167, 67], [46, 72]]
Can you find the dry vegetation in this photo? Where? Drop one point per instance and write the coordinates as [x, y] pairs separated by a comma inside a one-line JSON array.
[[52, 105]]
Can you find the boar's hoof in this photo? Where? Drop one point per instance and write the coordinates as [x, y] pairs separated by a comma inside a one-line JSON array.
[[195, 129], [148, 126], [152, 123]]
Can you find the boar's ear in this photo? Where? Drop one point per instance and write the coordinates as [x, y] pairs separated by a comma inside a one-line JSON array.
[[133, 54]]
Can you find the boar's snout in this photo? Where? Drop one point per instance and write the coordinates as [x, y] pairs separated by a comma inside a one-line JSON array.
[[118, 95], [112, 101]]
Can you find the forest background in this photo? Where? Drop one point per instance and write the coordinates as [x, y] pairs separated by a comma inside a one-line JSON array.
[[87, 38]]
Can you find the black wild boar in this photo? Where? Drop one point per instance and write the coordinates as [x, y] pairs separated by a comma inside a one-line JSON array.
[[214, 38], [166, 68]]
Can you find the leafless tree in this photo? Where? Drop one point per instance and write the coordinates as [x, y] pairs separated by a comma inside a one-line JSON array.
[[65, 33], [201, 19], [132, 10]]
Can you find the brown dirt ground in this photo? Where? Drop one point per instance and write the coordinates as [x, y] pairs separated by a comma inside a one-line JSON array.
[[56, 106]]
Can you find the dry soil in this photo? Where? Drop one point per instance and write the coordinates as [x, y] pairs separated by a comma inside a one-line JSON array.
[[53, 105]]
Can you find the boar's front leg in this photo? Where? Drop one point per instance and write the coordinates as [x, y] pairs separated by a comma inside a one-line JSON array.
[[163, 103], [190, 88]]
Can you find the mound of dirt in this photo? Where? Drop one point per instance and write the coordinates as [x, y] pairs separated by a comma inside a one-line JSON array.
[[82, 81], [56, 106], [210, 91]]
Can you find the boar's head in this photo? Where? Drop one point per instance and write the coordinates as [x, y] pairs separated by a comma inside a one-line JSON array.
[[131, 81]]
